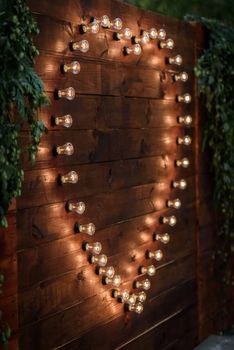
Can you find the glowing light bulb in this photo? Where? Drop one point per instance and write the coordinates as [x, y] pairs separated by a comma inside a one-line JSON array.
[[107, 271], [183, 76], [68, 93], [141, 296], [82, 46], [115, 281], [169, 220], [164, 238], [138, 307], [186, 98], [144, 39], [157, 254], [149, 270], [71, 177], [66, 149], [185, 140], [185, 120], [100, 260], [167, 44], [174, 203], [121, 295], [162, 34], [184, 162], [105, 21], [126, 34], [73, 67], [65, 121], [117, 24], [181, 184], [177, 60], [153, 34], [144, 284], [89, 229], [92, 27], [77, 207], [136, 50], [94, 248]]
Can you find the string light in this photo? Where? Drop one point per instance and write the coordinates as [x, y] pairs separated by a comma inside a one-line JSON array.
[[153, 33], [170, 220], [73, 67], [144, 39], [66, 149], [65, 120], [174, 203], [181, 184], [184, 162], [71, 177], [107, 24], [94, 248], [167, 44], [82, 46], [185, 120], [77, 207], [68, 93], [135, 49], [121, 295], [100, 260], [186, 98], [162, 34], [107, 271], [132, 299], [114, 281], [164, 238], [92, 27], [89, 229], [138, 308], [141, 296], [156, 254], [185, 140], [177, 60], [183, 76], [144, 284], [126, 34], [149, 270]]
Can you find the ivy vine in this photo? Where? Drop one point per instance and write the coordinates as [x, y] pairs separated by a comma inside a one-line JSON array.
[[215, 73], [21, 95]]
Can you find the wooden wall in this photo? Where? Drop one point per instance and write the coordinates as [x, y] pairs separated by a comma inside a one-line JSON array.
[[124, 134]]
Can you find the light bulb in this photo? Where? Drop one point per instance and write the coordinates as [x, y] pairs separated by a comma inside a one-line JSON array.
[[73, 67], [94, 248], [100, 260], [183, 76], [164, 238], [167, 44], [169, 220], [132, 299], [144, 284], [185, 120], [138, 307], [115, 281], [92, 27], [105, 21], [82, 46], [77, 207], [65, 121], [177, 60], [144, 39], [89, 229], [71, 177], [141, 296], [136, 50], [156, 254], [185, 140], [153, 34], [149, 270], [186, 98], [121, 295], [117, 24], [107, 271], [184, 162], [181, 184], [66, 149], [162, 34], [126, 34], [68, 93], [174, 203]]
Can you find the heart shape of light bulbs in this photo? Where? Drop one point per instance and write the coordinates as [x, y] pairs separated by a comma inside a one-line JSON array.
[[132, 300]]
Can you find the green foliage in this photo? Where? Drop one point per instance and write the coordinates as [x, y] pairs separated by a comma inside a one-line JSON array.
[[21, 94]]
